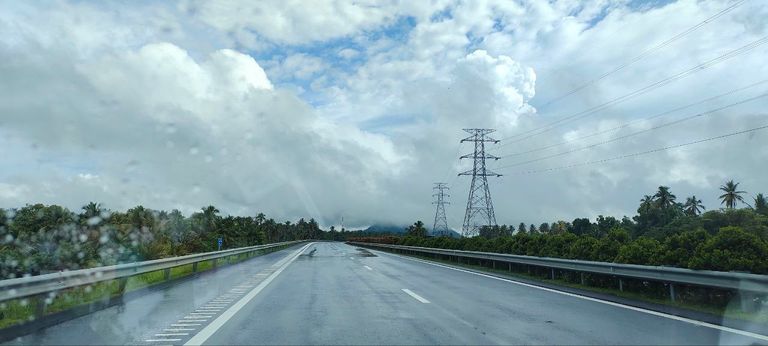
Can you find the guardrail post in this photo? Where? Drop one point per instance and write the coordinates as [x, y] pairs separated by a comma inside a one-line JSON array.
[[494, 264], [621, 285], [582, 279], [194, 267], [121, 283], [40, 305], [552, 271], [215, 262], [166, 274], [672, 292]]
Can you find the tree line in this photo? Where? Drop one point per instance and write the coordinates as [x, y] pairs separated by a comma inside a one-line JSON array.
[[43, 238], [663, 232]]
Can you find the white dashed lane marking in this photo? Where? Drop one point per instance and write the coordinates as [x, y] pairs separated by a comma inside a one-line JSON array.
[[367, 267], [415, 296]]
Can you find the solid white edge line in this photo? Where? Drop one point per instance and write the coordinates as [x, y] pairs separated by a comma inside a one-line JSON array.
[[211, 328], [415, 296], [650, 312]]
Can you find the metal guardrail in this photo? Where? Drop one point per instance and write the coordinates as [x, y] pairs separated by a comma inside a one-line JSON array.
[[42, 284], [725, 280]]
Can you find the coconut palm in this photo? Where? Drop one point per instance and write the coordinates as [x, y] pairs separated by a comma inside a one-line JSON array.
[[693, 206], [761, 205], [664, 198], [731, 195]]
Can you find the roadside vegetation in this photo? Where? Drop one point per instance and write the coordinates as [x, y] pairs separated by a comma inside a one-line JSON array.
[[39, 238], [664, 232]]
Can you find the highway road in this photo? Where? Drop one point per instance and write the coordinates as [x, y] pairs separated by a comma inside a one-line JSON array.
[[333, 293]]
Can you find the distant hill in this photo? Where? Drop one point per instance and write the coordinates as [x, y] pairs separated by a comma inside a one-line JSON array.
[[397, 229], [386, 228]]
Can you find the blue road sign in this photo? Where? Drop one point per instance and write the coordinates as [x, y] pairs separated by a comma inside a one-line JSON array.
[[220, 241]]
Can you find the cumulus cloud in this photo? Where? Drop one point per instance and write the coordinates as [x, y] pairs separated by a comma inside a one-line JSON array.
[[165, 106]]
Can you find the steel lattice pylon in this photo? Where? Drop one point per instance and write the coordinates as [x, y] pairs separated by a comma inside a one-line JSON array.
[[440, 226], [479, 206]]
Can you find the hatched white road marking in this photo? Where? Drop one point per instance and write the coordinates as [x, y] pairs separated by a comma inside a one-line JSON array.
[[367, 267], [650, 312], [162, 340], [177, 329], [415, 296], [172, 334], [185, 324], [211, 328]]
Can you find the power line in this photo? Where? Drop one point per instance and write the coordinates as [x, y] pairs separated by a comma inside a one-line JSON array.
[[546, 128], [627, 124], [645, 53], [642, 152], [695, 116]]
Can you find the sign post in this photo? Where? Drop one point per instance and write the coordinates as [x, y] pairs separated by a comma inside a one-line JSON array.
[[220, 241]]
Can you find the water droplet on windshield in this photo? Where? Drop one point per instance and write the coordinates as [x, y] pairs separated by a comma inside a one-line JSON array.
[[193, 151], [93, 221]]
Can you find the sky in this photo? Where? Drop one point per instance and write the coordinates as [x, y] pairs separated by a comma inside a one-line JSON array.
[[331, 109]]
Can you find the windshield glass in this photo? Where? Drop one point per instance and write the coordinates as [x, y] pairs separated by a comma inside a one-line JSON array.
[[384, 172]]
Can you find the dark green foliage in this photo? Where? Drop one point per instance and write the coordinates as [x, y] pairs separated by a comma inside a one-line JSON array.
[[760, 204], [732, 249], [417, 230], [38, 239], [663, 233], [642, 250]]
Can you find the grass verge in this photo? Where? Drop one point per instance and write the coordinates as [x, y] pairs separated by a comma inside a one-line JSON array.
[[19, 311]]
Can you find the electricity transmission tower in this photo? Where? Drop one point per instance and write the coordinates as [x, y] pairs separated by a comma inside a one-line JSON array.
[[440, 227], [479, 206]]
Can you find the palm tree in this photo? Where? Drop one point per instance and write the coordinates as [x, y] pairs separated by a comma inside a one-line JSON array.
[[91, 209], [761, 205], [664, 198], [731, 195], [693, 206]]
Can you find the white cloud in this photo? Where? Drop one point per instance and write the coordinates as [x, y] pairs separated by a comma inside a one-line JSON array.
[[164, 108], [298, 66], [294, 21]]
